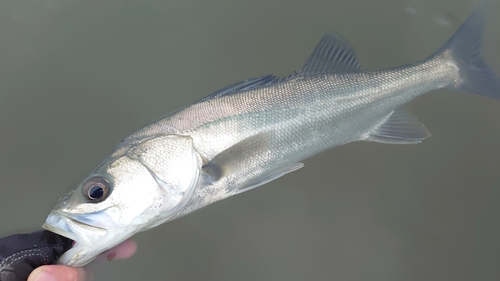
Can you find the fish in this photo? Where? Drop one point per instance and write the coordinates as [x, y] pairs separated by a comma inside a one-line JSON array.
[[257, 130]]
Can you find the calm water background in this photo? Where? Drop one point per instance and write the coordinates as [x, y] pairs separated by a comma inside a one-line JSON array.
[[77, 76]]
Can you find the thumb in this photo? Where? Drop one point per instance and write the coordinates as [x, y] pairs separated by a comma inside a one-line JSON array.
[[59, 273]]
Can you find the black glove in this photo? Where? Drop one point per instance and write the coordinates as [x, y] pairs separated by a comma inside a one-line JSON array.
[[21, 253]]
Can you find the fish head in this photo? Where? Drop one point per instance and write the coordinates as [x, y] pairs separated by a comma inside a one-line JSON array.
[[138, 187]]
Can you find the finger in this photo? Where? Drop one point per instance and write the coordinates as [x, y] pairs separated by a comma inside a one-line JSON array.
[[123, 251], [59, 273]]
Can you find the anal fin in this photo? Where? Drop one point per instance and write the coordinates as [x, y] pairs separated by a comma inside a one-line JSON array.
[[400, 127]]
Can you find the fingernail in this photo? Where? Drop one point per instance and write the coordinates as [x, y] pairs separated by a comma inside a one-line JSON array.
[[111, 256], [44, 276]]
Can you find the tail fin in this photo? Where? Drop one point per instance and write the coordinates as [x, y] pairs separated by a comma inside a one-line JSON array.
[[465, 46]]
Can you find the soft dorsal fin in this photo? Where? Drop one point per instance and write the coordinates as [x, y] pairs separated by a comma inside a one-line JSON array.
[[400, 127], [333, 54], [242, 86]]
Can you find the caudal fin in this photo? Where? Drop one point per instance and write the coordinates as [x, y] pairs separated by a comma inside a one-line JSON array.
[[465, 47]]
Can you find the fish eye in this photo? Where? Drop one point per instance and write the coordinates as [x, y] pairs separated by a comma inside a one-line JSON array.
[[96, 188]]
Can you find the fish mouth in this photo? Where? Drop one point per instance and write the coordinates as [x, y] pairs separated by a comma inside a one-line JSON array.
[[84, 235]]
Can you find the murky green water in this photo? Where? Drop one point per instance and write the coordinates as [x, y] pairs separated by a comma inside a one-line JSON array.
[[77, 76]]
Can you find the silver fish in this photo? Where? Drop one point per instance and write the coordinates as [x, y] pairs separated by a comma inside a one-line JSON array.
[[255, 131]]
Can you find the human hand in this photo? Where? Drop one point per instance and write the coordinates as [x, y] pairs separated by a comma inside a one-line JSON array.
[[67, 273]]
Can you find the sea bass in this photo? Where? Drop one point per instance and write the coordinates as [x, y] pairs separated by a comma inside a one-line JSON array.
[[256, 131]]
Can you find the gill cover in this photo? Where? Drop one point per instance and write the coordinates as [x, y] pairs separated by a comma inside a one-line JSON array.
[[175, 166]]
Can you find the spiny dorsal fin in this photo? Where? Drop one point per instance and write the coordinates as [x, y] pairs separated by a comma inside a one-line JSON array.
[[242, 86], [400, 127], [333, 54]]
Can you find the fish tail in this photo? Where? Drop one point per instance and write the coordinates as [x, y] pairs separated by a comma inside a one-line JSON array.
[[464, 46]]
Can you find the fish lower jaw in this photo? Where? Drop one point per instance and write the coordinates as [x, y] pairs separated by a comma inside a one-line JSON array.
[[75, 257]]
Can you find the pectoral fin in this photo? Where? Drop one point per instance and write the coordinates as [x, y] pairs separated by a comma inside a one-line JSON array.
[[270, 177], [400, 127], [243, 159], [240, 156]]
